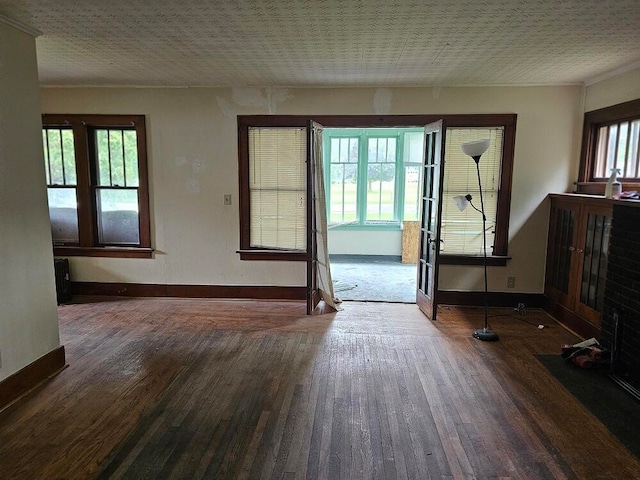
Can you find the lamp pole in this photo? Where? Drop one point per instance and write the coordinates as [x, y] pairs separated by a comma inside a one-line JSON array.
[[475, 151]]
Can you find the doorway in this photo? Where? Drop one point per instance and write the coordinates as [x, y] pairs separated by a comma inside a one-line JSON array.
[[373, 179]]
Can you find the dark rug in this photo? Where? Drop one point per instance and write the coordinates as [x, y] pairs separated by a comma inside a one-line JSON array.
[[605, 399]]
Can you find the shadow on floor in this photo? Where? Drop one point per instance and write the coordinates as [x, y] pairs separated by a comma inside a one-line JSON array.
[[373, 278]]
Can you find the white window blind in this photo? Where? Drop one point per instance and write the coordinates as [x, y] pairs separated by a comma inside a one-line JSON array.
[[277, 187], [462, 231]]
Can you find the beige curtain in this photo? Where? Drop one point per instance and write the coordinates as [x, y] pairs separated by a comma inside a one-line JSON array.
[[325, 284]]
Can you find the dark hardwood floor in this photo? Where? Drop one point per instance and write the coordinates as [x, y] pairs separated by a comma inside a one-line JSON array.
[[176, 388]]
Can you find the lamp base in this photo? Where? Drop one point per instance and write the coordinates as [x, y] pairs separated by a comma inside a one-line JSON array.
[[485, 334]]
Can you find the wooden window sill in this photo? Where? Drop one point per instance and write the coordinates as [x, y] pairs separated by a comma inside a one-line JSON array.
[[492, 260], [113, 252], [273, 255]]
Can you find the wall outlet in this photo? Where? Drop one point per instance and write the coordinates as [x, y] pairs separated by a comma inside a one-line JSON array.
[[511, 282], [227, 199]]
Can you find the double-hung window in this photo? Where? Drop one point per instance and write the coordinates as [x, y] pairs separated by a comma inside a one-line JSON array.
[[272, 170], [611, 140], [462, 231], [96, 173], [278, 188]]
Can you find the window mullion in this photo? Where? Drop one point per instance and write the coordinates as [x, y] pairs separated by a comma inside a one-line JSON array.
[[636, 157], [48, 155], [108, 157], [86, 220], [363, 179], [605, 163], [399, 189], [62, 159], [124, 159], [626, 151]]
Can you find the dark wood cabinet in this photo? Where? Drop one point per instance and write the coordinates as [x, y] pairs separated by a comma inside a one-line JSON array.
[[577, 254]]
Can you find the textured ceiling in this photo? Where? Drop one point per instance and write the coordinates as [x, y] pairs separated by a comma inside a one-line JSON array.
[[291, 43]]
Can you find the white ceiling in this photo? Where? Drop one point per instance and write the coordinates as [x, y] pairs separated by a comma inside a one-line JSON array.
[[326, 43]]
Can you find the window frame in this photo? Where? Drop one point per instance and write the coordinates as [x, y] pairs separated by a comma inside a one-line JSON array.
[[83, 127], [508, 121], [593, 120], [363, 136]]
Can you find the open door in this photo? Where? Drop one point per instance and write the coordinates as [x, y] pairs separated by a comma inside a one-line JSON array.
[[429, 246], [319, 282]]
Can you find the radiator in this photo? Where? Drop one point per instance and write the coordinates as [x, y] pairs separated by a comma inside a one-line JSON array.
[[63, 280]]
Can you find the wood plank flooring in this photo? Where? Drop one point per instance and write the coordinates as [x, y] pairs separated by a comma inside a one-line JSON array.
[[177, 388]]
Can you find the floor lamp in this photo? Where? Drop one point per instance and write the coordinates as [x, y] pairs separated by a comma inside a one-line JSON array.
[[475, 150]]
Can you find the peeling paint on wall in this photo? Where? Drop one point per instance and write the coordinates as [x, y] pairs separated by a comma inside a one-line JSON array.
[[226, 107], [195, 168], [261, 99]]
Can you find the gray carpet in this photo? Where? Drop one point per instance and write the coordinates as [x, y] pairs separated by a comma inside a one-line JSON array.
[[373, 279]]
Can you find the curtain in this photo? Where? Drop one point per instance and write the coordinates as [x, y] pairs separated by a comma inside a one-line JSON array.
[[325, 284]]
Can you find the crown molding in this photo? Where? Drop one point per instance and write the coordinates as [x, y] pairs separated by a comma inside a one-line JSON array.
[[20, 26]]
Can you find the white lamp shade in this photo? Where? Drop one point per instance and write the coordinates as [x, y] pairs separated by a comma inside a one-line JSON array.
[[475, 148], [461, 202]]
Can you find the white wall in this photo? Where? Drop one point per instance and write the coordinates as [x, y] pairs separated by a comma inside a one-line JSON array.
[[365, 242], [193, 163], [613, 90], [28, 316]]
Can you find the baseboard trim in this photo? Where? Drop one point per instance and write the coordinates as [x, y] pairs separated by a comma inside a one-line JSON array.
[[495, 299], [570, 320], [23, 381], [446, 297], [351, 258], [189, 291]]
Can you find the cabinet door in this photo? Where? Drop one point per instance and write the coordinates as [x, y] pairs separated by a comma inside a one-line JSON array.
[[562, 261], [593, 250]]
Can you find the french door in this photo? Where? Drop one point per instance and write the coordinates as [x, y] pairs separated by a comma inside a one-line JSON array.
[[431, 198]]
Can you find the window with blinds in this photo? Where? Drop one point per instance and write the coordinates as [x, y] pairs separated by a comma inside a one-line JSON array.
[[277, 187], [462, 231]]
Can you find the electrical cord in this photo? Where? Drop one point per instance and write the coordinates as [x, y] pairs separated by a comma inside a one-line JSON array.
[[519, 317]]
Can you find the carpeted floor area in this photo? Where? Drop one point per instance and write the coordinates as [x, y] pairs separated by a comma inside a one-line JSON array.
[[607, 401], [369, 278]]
